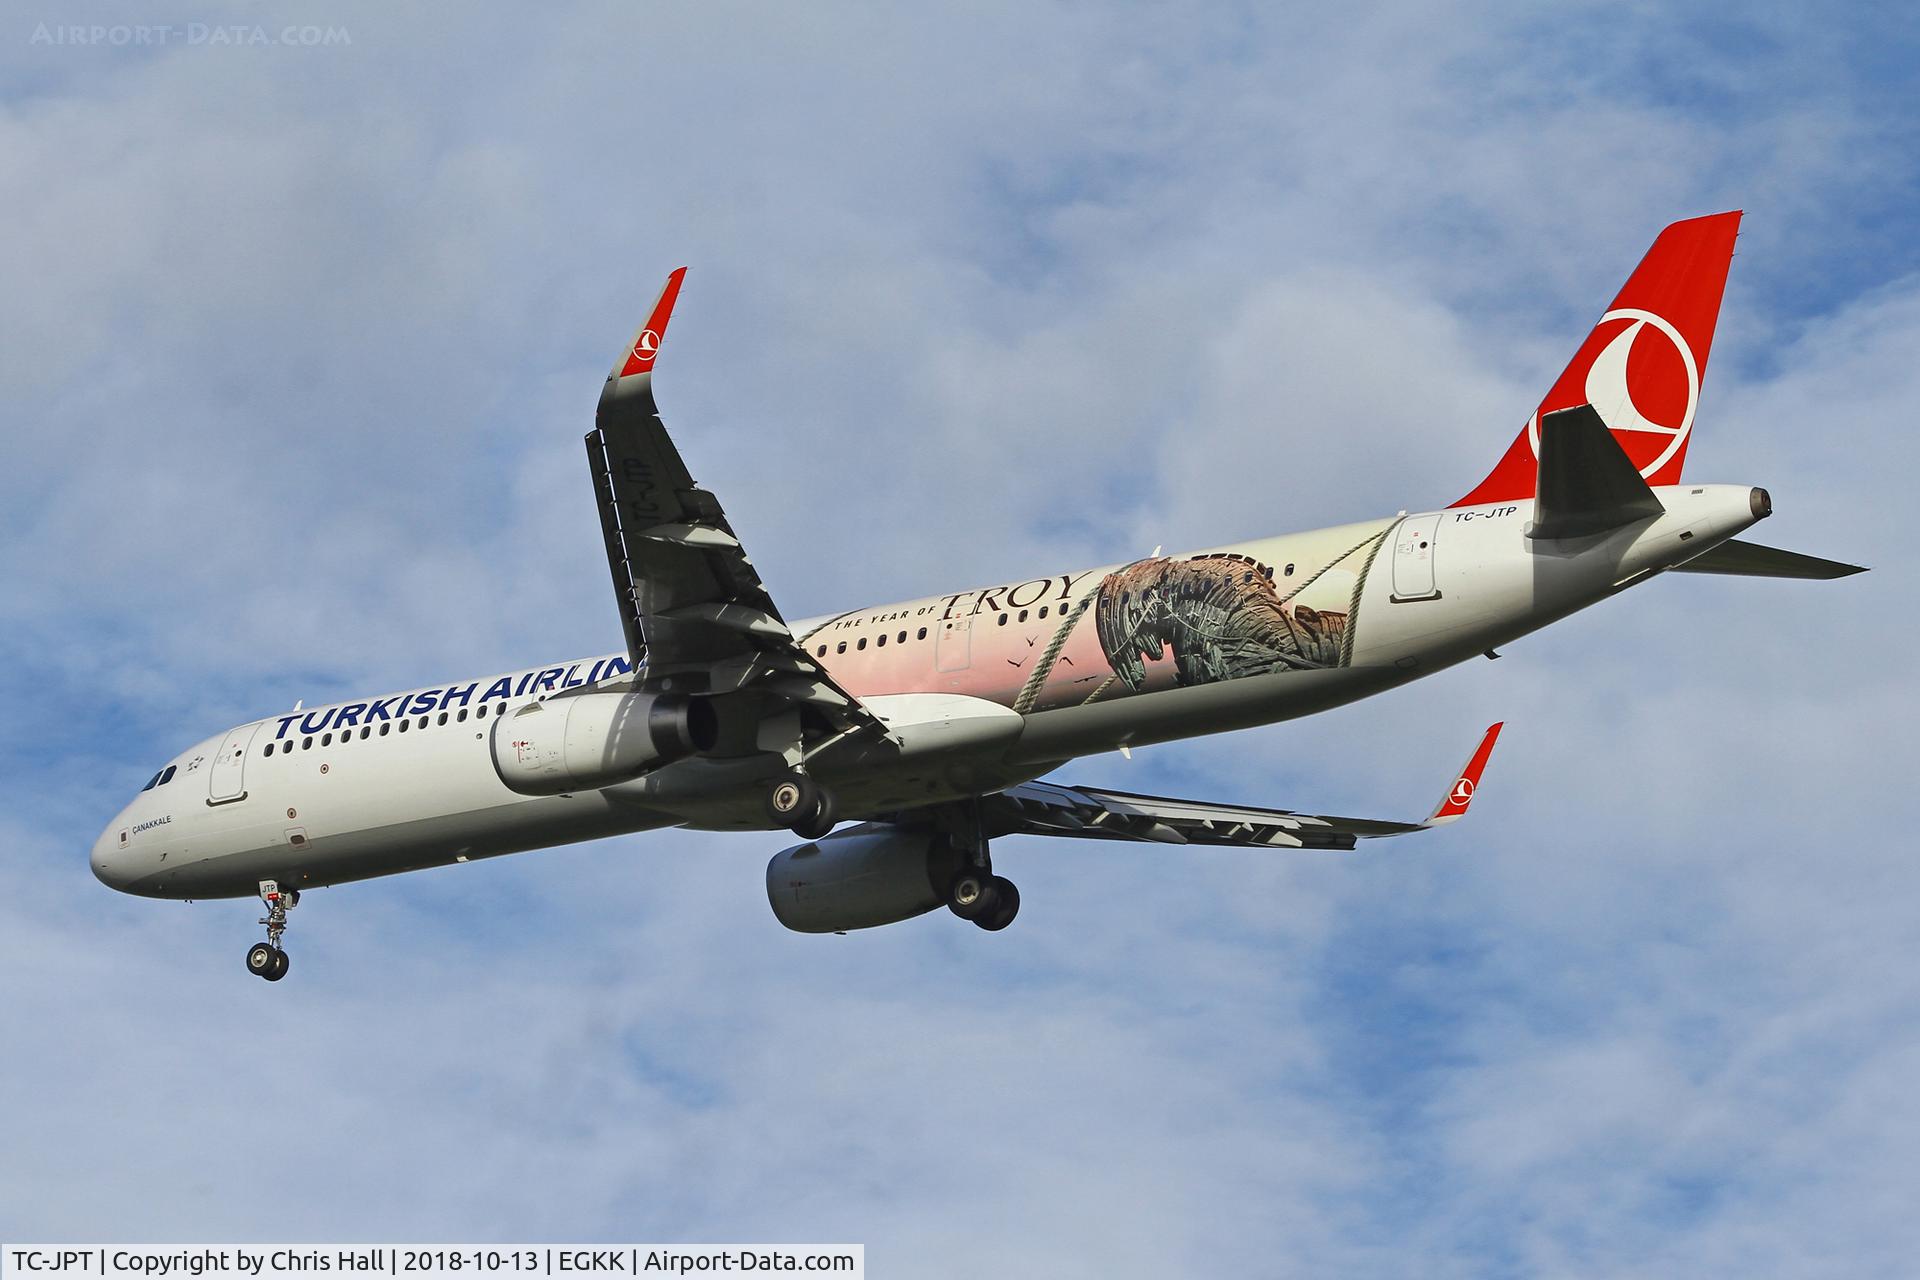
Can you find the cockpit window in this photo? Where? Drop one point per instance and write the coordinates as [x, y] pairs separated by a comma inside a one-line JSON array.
[[166, 775], [153, 782]]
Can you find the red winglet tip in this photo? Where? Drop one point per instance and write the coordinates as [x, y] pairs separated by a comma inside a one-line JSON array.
[[1461, 794], [646, 344]]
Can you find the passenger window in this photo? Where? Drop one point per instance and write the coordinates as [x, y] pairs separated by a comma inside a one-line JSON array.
[[366, 731], [306, 742], [841, 647], [443, 717], [423, 722], [1003, 620], [481, 714], [384, 726], [463, 715], [822, 652], [268, 751], [881, 643], [862, 644], [1023, 615], [901, 638], [923, 633], [1043, 611], [405, 725], [326, 739]]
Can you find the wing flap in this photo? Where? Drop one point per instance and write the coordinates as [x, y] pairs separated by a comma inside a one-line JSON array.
[[699, 537]]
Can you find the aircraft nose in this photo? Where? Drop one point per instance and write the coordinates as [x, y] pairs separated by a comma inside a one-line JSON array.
[[110, 860]]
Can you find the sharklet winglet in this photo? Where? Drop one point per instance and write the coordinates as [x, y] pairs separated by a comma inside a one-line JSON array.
[[1454, 805], [640, 354]]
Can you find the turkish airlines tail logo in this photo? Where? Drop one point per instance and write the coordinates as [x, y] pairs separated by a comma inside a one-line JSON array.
[[1642, 365]]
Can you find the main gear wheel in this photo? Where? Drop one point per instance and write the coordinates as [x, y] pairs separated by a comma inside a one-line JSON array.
[[802, 805]]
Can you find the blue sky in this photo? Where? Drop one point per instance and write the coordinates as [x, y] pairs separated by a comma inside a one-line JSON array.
[[298, 345]]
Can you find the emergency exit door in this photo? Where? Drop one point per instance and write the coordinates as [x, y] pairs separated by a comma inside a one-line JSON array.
[[1413, 558], [953, 644]]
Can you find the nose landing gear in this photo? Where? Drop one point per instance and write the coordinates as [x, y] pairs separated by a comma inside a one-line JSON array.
[[266, 959]]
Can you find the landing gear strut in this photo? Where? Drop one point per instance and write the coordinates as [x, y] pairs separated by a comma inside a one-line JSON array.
[[802, 805], [975, 893], [266, 958]]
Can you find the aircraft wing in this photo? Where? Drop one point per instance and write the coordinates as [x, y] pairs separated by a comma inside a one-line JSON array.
[[1046, 809], [691, 603]]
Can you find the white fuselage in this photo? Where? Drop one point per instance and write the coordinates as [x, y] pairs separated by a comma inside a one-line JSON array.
[[380, 786]]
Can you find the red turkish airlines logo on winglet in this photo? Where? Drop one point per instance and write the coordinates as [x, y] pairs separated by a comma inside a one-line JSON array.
[[1469, 780], [646, 347]]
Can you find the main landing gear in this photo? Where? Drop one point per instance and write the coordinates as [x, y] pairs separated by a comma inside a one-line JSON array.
[[988, 900], [802, 805], [266, 958], [975, 893]]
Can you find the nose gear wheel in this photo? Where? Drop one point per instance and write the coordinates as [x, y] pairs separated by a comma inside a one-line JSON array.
[[266, 959]]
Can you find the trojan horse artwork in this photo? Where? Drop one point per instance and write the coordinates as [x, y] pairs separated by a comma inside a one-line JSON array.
[[1219, 615]]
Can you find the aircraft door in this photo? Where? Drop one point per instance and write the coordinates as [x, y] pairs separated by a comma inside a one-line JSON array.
[[1413, 557], [953, 644], [226, 780]]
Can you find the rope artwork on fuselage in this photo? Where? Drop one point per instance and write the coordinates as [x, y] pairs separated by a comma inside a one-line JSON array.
[[1219, 615]]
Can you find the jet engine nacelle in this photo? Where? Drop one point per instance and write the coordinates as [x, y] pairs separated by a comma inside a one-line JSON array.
[[594, 740], [870, 875]]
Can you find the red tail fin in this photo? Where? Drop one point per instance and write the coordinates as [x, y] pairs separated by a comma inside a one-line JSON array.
[[1643, 364]]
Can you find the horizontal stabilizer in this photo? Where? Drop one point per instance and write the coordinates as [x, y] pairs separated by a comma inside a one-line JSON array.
[[1751, 560], [1587, 484]]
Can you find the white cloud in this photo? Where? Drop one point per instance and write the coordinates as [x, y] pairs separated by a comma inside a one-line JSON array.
[[298, 348]]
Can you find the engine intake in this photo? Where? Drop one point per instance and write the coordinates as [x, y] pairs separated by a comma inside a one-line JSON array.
[[595, 740], [871, 875]]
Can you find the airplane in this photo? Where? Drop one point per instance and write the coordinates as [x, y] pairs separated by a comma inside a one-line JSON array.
[[928, 723]]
